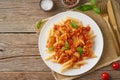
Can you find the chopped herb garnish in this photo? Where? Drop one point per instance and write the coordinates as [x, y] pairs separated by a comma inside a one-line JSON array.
[[50, 49], [92, 1], [96, 9], [85, 7], [66, 46], [74, 25], [91, 6], [38, 24], [80, 50]]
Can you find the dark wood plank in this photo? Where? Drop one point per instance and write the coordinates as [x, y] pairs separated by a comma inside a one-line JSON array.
[[18, 44], [19, 52], [26, 76], [23, 63], [20, 58]]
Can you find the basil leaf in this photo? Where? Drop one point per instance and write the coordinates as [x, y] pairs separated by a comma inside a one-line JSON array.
[[85, 7], [50, 49], [63, 48], [92, 1], [66, 44], [79, 50], [74, 25], [38, 24], [96, 9]]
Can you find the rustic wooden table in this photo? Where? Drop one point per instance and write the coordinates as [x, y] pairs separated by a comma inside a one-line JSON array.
[[19, 56]]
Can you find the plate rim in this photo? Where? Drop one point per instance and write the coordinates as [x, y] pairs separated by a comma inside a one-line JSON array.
[[100, 34]]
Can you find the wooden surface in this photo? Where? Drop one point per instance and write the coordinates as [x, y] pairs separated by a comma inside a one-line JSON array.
[[19, 55]]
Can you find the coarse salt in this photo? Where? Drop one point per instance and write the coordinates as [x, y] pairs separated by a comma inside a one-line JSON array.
[[46, 5]]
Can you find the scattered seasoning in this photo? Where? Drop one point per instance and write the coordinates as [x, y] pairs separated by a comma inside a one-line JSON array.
[[46, 5], [70, 2]]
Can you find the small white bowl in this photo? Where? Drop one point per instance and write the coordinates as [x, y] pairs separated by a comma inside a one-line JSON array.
[[46, 5]]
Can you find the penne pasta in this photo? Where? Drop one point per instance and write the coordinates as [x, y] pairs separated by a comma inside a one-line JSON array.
[[80, 62], [76, 66], [49, 57], [92, 36], [66, 63], [53, 60], [70, 44], [93, 56], [66, 67]]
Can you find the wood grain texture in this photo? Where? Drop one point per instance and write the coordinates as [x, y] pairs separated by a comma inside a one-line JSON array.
[[20, 60], [19, 52], [114, 75], [116, 7], [21, 15], [26, 76], [19, 55]]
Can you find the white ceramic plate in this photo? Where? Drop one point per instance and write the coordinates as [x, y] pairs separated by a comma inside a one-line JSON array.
[[98, 46]]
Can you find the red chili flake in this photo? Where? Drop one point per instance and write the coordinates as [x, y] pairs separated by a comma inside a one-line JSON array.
[[70, 2]]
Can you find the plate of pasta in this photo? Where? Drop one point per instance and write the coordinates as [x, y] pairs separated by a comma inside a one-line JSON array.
[[70, 43]]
